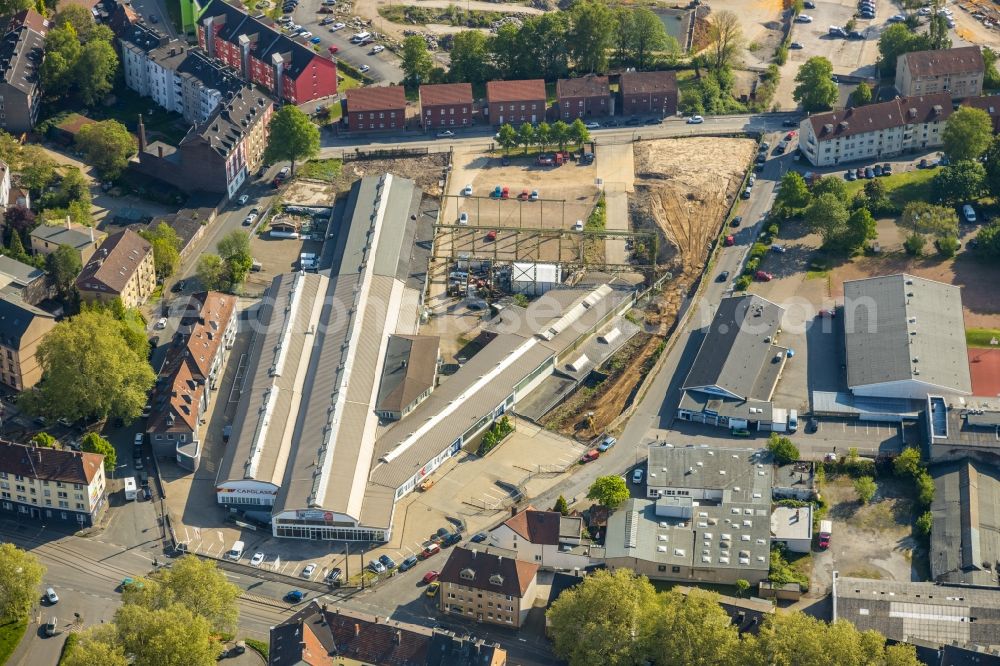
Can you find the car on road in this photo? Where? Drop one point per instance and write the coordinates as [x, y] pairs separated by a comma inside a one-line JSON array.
[[789, 123], [243, 199], [363, 68], [257, 559], [479, 537], [315, 40], [695, 120], [803, 18], [161, 324], [809, 4], [445, 134], [430, 577], [294, 596], [378, 48], [376, 567], [637, 475], [334, 576], [138, 439], [723, 276], [432, 589], [51, 597], [429, 551], [607, 444], [795, 46], [178, 286], [593, 125], [896, 18], [249, 219], [283, 173], [737, 221], [467, 191], [463, 219], [387, 561], [408, 563], [590, 456], [51, 628], [309, 570]]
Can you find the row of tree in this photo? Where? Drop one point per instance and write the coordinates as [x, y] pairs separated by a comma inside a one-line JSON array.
[[543, 135], [619, 619]]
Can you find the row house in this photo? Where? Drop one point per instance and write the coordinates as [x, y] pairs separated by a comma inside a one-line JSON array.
[[121, 268], [875, 131], [22, 50], [446, 105], [516, 102], [583, 97], [263, 55], [22, 328], [958, 72], [190, 376], [648, 92], [376, 109]]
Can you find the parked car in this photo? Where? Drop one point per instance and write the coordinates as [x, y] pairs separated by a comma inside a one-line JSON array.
[[593, 125], [363, 68], [723, 276], [309, 570], [463, 219], [429, 551], [803, 18], [877, 170], [479, 537], [445, 134], [695, 120], [467, 191], [737, 221], [51, 597], [850, 175], [432, 589], [590, 456], [491, 236], [243, 199], [886, 169], [257, 559], [337, 26], [408, 563], [763, 276], [376, 567], [451, 539], [430, 576], [869, 173], [795, 46], [637, 475], [859, 172], [968, 213], [607, 444], [812, 425], [387, 561], [780, 249], [160, 324], [533, 196], [378, 48]]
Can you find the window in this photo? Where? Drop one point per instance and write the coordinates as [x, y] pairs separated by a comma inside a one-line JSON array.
[[675, 569]]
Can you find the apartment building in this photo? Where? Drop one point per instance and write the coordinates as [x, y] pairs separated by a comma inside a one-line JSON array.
[[487, 585], [263, 55], [121, 268], [51, 485], [958, 72], [875, 131], [22, 50], [22, 328], [583, 97], [446, 105], [648, 92], [546, 538], [516, 102], [46, 239], [190, 375], [376, 109], [22, 281]]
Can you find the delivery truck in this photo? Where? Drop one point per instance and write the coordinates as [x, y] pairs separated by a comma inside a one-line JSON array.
[[130, 488]]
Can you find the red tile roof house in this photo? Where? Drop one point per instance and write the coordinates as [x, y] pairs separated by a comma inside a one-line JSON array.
[[516, 102], [446, 105], [584, 97], [649, 92], [376, 109]]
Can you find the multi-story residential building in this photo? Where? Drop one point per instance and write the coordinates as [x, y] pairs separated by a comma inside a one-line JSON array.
[[51, 485], [121, 268], [178, 78], [649, 92], [488, 585], [583, 97], [22, 328], [376, 109], [189, 377], [46, 239], [21, 53], [261, 54], [958, 72], [516, 102], [545, 538], [22, 281], [875, 131], [445, 105], [217, 155]]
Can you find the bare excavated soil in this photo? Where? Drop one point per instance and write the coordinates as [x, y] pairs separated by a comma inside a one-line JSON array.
[[427, 171]]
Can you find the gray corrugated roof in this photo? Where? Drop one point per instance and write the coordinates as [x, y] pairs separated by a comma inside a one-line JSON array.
[[893, 319], [739, 473], [965, 539], [736, 352], [409, 369], [13, 271]]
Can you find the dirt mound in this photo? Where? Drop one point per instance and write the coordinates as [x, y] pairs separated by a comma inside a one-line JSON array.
[[427, 171]]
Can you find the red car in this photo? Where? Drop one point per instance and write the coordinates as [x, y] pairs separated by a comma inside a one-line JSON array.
[[790, 136], [430, 550], [505, 193], [491, 236], [730, 241], [590, 456], [763, 276], [333, 49], [430, 577], [523, 196]]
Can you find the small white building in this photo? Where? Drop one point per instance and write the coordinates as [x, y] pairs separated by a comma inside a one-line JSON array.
[[792, 527], [534, 279], [545, 538]]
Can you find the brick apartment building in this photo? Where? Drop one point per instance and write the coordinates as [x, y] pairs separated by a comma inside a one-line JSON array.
[[583, 97], [291, 70], [376, 109], [446, 105], [121, 268], [955, 71], [649, 92], [516, 102]]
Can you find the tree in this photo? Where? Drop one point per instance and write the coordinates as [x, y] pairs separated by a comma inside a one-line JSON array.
[[862, 95], [742, 587], [44, 440], [787, 639], [989, 239], [416, 61], [925, 488], [166, 248], [562, 506], [991, 161], [211, 272], [20, 576], [8, 7], [94, 73], [624, 26], [96, 645], [924, 523], [864, 486], [960, 181], [578, 132], [589, 35], [600, 620], [609, 491], [816, 90], [62, 52], [94, 443], [92, 366], [925, 218], [947, 246], [646, 35], [937, 32], [991, 78], [543, 135], [830, 185], [194, 583], [860, 227], [526, 136], [38, 170], [63, 265], [19, 218], [79, 16], [293, 136], [896, 40], [908, 462], [876, 197], [827, 215], [967, 134], [782, 448], [507, 137], [914, 244], [173, 636], [108, 145], [560, 133], [682, 626], [794, 193], [725, 36], [234, 248], [470, 58]]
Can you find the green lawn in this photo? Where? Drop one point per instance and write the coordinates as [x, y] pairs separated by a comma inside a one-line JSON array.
[[980, 337], [550, 92], [11, 633], [129, 105], [321, 169], [901, 187], [345, 81]]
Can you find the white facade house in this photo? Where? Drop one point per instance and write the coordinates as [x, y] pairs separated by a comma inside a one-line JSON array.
[[875, 131], [4, 185], [545, 538]]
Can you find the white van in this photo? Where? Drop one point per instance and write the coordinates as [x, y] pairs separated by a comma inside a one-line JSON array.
[[969, 213], [237, 551], [360, 37], [793, 420]]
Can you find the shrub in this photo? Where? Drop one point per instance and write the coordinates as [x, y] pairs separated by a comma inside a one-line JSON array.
[[743, 283], [260, 647], [947, 246], [914, 244], [782, 449], [924, 523], [758, 250], [864, 486], [752, 265], [773, 229]]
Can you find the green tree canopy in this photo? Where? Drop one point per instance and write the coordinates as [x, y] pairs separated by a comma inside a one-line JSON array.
[[507, 136], [589, 36], [830, 185], [864, 486], [862, 95], [470, 58], [234, 248], [896, 40], [725, 35], [926, 218], [816, 90], [562, 506], [578, 132], [166, 248], [63, 265], [989, 239], [92, 366], [526, 136], [193, 583], [991, 161], [173, 636], [646, 35], [794, 193], [782, 448], [44, 440], [108, 145], [20, 576], [292, 137], [827, 215], [683, 626], [991, 78], [417, 61], [960, 182], [609, 491], [97, 645], [212, 272], [967, 133], [94, 443], [560, 133]]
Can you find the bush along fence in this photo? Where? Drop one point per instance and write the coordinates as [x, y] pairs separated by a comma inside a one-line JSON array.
[[493, 437]]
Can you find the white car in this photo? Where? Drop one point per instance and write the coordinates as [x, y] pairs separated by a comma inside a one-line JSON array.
[[467, 191], [257, 559], [243, 199], [803, 18], [138, 439], [445, 134], [309, 570], [695, 120], [161, 324], [337, 26], [593, 125], [363, 68], [378, 48], [463, 219], [924, 11], [305, 35]]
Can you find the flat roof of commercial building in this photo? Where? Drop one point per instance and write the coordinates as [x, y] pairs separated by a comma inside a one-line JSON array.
[[900, 328], [791, 523], [740, 473], [967, 423], [965, 538]]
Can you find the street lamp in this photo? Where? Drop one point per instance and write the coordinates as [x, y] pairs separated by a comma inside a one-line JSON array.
[[122, 466]]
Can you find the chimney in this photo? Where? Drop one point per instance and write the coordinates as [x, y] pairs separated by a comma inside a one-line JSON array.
[[357, 629], [68, 225], [397, 638], [513, 511], [159, 151], [142, 134], [92, 234]]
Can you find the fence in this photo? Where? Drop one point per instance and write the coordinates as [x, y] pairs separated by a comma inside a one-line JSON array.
[[389, 153]]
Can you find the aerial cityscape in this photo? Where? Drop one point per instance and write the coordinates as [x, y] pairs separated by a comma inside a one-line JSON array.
[[512, 332]]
